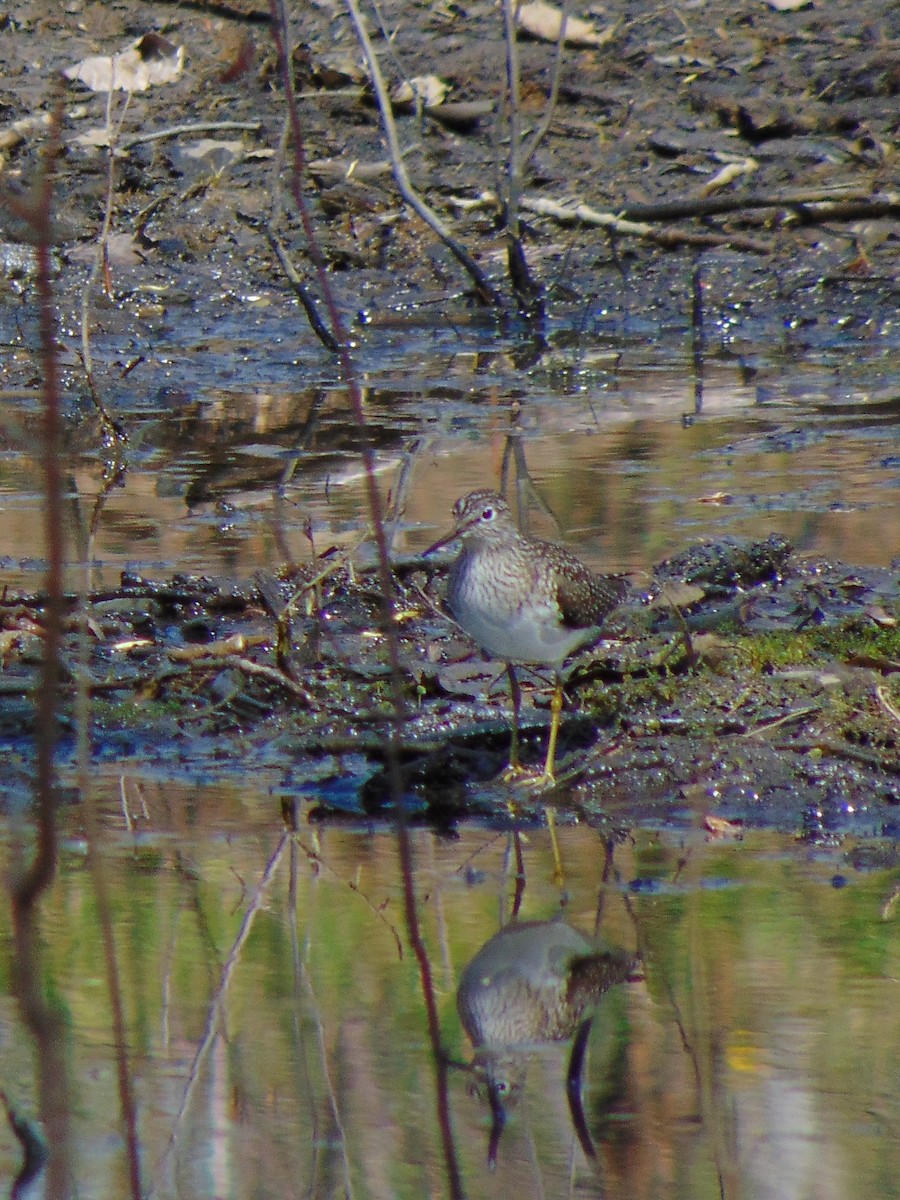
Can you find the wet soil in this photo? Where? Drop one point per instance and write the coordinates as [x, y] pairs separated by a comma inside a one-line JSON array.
[[745, 685], [767, 697], [800, 107]]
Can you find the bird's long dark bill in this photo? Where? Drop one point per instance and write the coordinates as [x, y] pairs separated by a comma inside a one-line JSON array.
[[451, 536], [441, 542]]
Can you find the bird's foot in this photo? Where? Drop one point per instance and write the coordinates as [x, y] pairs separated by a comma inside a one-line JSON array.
[[535, 781]]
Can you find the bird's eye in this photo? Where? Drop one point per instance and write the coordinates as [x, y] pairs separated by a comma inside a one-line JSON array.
[[487, 514]]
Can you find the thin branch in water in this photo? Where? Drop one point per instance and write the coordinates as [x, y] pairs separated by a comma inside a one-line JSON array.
[[527, 291], [218, 1001], [317, 860], [302, 292], [46, 1022], [111, 430], [35, 1150], [388, 589]]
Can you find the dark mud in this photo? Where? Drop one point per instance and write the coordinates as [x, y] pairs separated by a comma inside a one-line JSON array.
[[769, 698], [755, 696], [804, 102]]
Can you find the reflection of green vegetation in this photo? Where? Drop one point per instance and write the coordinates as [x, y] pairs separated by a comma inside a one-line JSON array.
[[746, 944], [130, 713]]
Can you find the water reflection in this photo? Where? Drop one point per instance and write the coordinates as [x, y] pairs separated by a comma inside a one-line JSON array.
[[533, 983], [234, 481], [279, 1044]]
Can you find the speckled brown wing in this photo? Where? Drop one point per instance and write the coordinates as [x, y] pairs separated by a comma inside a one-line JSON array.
[[585, 599]]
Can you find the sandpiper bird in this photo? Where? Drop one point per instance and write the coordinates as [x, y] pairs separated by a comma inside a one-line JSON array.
[[523, 601]]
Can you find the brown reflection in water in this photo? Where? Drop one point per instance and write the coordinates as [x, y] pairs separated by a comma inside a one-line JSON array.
[[225, 483]]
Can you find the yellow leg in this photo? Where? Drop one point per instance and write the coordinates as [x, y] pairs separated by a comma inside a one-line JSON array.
[[515, 770], [555, 713], [516, 773], [549, 778], [559, 875]]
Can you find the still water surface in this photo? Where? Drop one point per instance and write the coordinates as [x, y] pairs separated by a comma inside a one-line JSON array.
[[276, 1016], [277, 1029], [629, 459]]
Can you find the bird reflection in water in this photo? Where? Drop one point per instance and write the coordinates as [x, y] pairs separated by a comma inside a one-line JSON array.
[[533, 983]]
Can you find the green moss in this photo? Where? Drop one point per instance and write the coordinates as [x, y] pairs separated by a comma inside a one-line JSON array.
[[129, 713], [776, 650], [855, 638], [858, 637]]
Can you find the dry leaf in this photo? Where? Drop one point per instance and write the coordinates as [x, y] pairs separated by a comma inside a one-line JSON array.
[[718, 827], [148, 61], [788, 5], [711, 648], [880, 616], [544, 21], [427, 89], [98, 137], [677, 594], [205, 146], [223, 648], [129, 644]]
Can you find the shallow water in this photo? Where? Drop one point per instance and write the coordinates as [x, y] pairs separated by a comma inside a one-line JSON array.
[[633, 447], [277, 1031]]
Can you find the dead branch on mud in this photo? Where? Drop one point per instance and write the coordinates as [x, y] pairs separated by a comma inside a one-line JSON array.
[[580, 213], [836, 204]]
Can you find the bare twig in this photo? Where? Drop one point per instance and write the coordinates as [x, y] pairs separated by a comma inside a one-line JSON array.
[[579, 213], [537, 136], [111, 430], [302, 292], [889, 707], [825, 203], [798, 714], [484, 288], [173, 131]]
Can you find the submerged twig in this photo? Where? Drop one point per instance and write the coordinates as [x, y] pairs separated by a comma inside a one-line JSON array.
[[318, 861], [217, 1004]]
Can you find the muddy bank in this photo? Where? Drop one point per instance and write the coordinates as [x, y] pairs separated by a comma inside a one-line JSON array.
[[745, 684], [798, 109]]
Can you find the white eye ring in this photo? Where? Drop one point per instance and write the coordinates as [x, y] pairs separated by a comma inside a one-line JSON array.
[[487, 514]]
